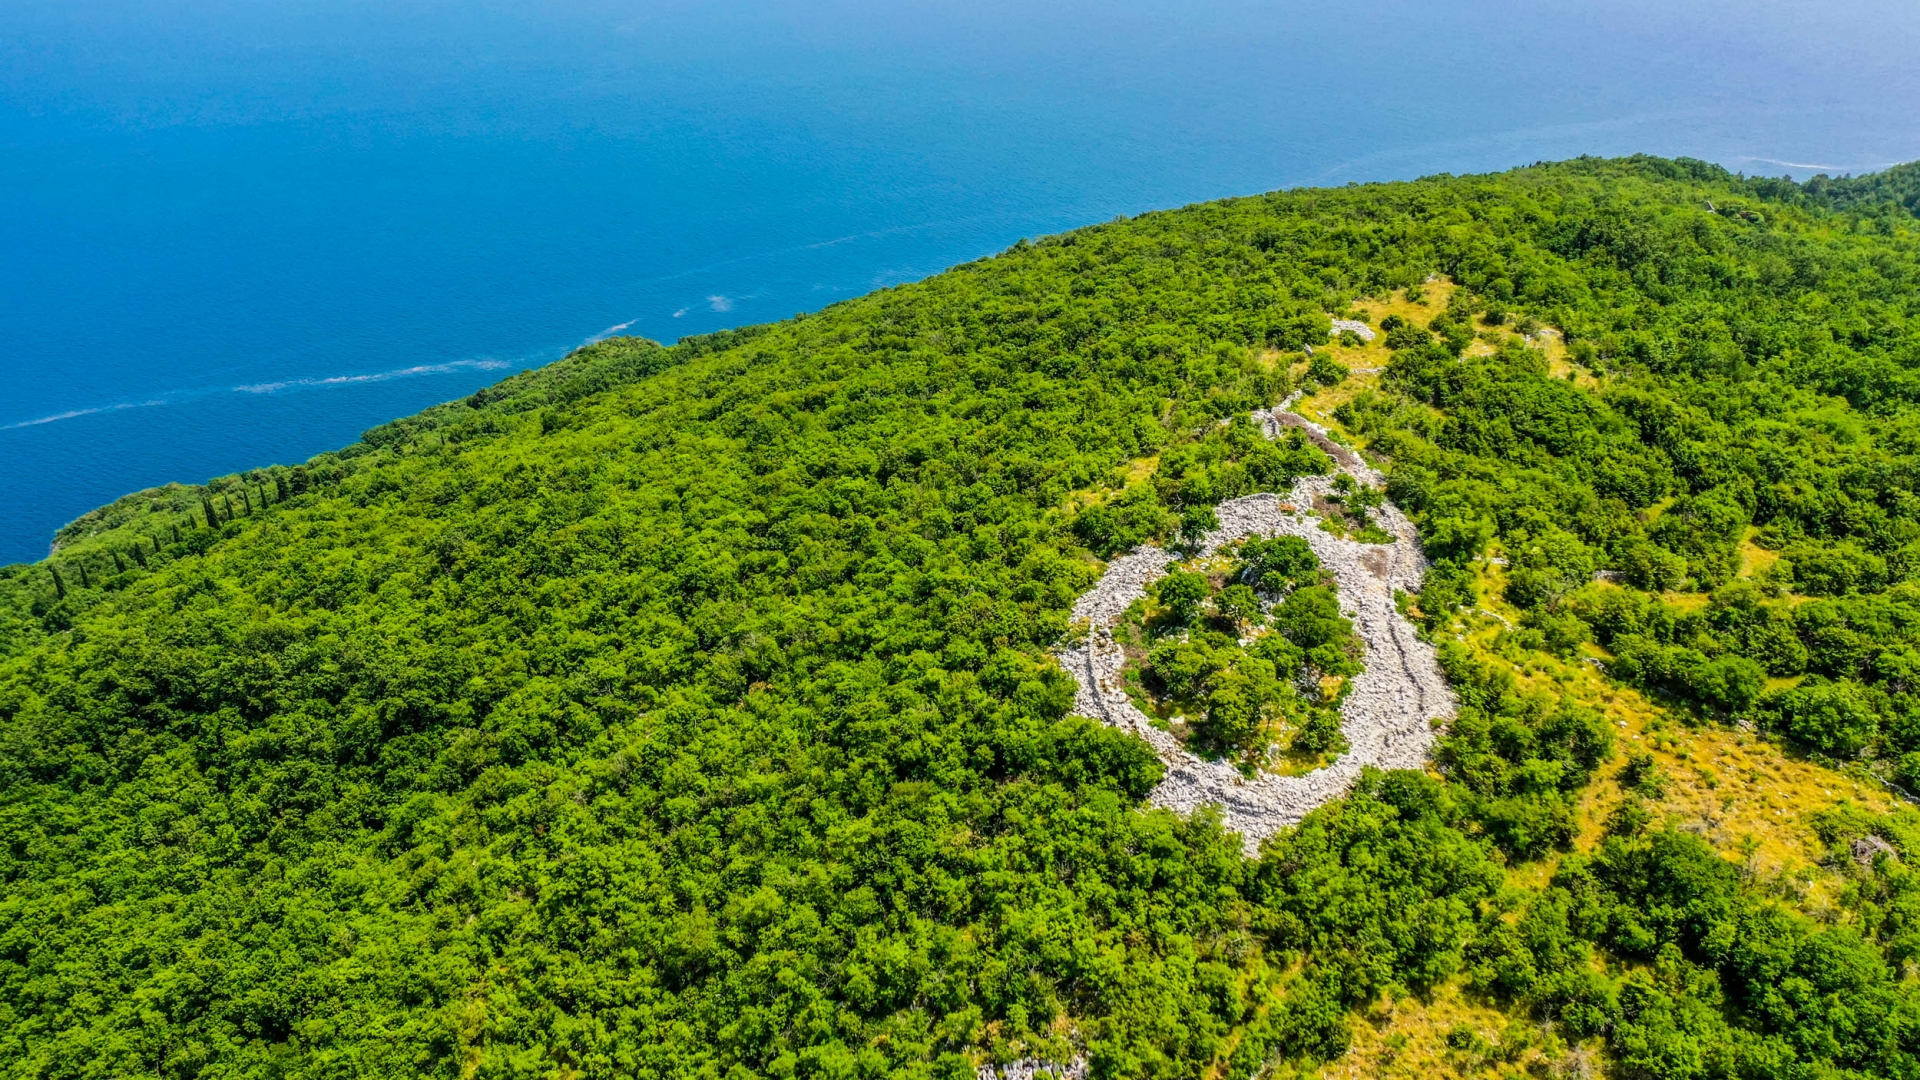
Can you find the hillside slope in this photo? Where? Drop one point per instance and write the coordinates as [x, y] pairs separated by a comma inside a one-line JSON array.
[[693, 711]]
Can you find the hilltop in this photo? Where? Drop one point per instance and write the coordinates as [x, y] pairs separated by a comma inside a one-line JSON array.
[[697, 710]]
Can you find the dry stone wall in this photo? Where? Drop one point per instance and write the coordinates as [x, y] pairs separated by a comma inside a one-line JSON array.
[[1395, 705]]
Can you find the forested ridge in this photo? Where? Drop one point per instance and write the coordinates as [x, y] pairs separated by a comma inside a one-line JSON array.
[[690, 711]]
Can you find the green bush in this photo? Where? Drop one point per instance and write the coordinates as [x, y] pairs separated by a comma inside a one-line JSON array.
[[690, 711]]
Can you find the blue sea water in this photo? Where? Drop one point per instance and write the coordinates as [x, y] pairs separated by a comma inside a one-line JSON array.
[[235, 233]]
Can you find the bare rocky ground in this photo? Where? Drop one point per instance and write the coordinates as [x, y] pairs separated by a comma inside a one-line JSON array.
[[1394, 708], [1028, 1069], [1341, 326]]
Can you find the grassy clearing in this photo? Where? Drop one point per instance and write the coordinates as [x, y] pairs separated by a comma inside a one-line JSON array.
[[1754, 559], [1366, 361], [1127, 475], [1447, 1034], [1750, 796], [1433, 300]]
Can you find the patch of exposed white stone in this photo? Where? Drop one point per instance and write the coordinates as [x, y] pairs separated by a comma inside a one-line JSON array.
[[1029, 1069], [1393, 708], [1341, 326]]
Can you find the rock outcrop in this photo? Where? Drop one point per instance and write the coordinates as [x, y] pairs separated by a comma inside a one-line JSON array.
[[1341, 326]]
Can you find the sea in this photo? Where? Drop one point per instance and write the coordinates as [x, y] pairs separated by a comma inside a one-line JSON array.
[[236, 233]]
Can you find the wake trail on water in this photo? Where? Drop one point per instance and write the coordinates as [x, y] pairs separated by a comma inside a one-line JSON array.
[[603, 335], [175, 397], [75, 413], [380, 376], [717, 303]]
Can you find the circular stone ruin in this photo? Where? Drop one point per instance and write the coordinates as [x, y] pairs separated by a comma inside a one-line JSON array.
[[1389, 716]]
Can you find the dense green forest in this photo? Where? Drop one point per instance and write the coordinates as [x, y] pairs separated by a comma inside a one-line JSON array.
[[690, 711], [1246, 656]]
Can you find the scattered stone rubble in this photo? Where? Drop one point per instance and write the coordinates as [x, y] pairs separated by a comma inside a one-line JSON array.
[[1341, 326], [1029, 1069], [1390, 714], [1867, 847]]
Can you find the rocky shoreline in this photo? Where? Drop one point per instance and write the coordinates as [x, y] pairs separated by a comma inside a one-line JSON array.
[[1391, 714]]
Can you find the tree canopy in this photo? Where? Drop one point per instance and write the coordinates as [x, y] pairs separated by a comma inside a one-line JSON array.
[[689, 711]]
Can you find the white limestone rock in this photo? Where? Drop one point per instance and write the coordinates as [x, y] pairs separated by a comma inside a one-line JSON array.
[[1393, 708], [1341, 326], [1029, 1069]]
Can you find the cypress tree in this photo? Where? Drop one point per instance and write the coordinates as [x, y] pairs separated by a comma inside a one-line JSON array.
[[206, 505], [119, 565], [156, 540], [279, 488], [59, 586], [176, 533], [85, 581], [139, 555]]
